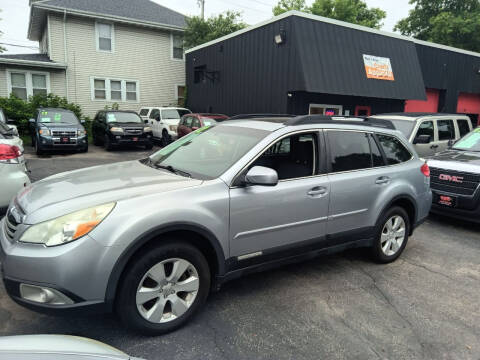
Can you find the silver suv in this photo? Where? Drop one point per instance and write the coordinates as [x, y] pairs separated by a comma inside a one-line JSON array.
[[151, 238]]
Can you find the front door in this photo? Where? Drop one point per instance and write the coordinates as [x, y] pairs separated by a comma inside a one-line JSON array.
[[266, 220], [426, 127], [155, 120]]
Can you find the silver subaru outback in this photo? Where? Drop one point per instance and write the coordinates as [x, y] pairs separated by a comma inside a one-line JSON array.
[[150, 239]]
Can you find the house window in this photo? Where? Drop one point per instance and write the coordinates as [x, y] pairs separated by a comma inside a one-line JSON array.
[[116, 90], [177, 47], [131, 88], [104, 33], [180, 94], [27, 83]]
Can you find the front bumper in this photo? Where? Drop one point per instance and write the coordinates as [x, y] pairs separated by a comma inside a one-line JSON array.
[[51, 143], [466, 207], [80, 270], [119, 139]]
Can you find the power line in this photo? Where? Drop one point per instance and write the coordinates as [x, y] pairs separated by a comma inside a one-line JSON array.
[[262, 3], [243, 6], [22, 46]]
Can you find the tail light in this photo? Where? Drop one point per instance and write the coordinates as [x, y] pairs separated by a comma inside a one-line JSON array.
[[425, 170], [10, 153]]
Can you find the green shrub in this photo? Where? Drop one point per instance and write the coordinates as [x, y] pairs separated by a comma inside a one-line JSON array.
[[21, 111]]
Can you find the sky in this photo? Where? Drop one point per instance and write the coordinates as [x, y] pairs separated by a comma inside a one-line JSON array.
[[15, 15]]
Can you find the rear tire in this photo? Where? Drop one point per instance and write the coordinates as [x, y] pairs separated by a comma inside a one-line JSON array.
[[150, 297], [392, 231], [96, 141]]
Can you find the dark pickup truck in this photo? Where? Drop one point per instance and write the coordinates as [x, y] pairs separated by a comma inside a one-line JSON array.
[[455, 179], [57, 129]]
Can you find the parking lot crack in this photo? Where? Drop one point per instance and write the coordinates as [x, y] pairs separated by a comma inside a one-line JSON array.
[[428, 269], [215, 340]]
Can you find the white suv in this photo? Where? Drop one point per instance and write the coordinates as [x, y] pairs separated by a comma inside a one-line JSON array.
[[163, 121]]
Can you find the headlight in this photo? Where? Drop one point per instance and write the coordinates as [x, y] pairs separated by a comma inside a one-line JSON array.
[[81, 132], [173, 127], [147, 129], [44, 132], [68, 227], [116, 129]]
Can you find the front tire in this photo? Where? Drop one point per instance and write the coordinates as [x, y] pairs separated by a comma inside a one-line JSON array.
[[165, 140], [163, 288], [108, 143], [149, 146], [391, 235]]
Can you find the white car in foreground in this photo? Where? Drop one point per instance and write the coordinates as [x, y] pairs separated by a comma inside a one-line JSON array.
[[13, 171]]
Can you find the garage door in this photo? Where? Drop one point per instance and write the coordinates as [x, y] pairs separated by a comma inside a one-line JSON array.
[[431, 105], [469, 104]]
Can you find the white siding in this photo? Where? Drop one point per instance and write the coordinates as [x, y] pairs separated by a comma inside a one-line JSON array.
[[140, 54], [57, 79]]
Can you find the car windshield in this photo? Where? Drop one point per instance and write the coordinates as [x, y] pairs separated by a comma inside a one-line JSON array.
[[404, 126], [173, 114], [208, 121], [123, 117], [208, 152], [57, 117], [470, 142]]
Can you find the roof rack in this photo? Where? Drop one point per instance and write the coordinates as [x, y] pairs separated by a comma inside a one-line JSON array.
[[259, 116], [350, 120]]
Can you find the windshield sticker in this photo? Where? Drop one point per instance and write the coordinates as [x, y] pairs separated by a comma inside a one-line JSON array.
[[58, 117], [470, 141], [44, 112], [46, 120], [111, 117]]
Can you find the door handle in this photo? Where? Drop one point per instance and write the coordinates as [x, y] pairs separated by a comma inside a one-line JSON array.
[[382, 180], [317, 191], [433, 146]]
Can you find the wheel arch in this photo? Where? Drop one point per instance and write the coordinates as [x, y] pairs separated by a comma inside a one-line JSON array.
[[409, 204], [213, 252]]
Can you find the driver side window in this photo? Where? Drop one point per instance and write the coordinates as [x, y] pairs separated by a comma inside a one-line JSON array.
[[292, 157], [426, 128], [154, 114]]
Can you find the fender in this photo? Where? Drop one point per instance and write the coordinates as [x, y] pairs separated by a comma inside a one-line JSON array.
[[122, 261], [404, 197]]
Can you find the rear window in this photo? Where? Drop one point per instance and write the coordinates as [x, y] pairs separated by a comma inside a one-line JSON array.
[[349, 150], [144, 112], [395, 151], [208, 121]]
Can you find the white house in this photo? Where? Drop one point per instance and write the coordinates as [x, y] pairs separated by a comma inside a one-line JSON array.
[[96, 53]]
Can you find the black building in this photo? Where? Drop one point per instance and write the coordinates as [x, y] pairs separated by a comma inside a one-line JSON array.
[[299, 63]]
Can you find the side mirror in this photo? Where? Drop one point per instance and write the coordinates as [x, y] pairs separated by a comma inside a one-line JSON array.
[[82, 121], [11, 121], [31, 121], [260, 175], [145, 121], [451, 142], [157, 117], [423, 139]]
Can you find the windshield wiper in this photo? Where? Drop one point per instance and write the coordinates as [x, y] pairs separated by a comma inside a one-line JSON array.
[[171, 169]]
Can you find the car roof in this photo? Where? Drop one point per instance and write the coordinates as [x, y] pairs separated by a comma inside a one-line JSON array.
[[164, 107], [414, 116]]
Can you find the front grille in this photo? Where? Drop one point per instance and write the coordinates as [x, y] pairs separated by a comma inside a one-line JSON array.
[[10, 226], [64, 133], [133, 131], [466, 185]]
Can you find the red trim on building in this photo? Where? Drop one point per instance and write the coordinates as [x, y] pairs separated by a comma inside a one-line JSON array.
[[367, 109], [431, 105], [469, 104]]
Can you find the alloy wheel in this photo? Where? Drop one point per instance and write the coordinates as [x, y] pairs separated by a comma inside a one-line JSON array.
[[167, 290], [393, 235]]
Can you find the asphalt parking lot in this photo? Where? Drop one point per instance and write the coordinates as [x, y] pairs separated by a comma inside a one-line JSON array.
[[423, 306]]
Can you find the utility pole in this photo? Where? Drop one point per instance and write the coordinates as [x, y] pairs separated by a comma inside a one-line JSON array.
[[201, 3]]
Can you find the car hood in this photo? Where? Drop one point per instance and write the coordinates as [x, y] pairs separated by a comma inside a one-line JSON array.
[[456, 160], [80, 189]]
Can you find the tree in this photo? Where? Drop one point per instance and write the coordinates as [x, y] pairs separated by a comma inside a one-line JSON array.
[[200, 31], [287, 5], [2, 49], [352, 11], [449, 22]]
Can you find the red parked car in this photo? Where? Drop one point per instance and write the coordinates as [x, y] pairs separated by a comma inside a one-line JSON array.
[[191, 122]]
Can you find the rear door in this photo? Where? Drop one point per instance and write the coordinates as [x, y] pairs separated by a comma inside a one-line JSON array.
[[445, 132], [464, 127]]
